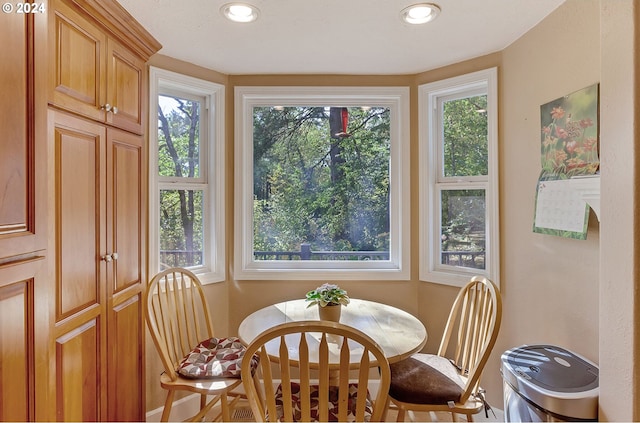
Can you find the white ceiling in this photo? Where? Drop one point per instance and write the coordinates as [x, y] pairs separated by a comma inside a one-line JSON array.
[[335, 36]]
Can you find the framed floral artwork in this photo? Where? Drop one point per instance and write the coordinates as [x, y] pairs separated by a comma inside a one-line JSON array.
[[569, 149], [569, 135]]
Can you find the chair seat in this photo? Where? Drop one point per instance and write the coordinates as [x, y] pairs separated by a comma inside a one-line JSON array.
[[426, 379], [215, 358], [207, 386], [333, 403]]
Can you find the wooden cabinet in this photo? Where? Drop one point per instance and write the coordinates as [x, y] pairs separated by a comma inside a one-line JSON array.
[[23, 340], [126, 83], [23, 140], [24, 288], [73, 210], [126, 230], [98, 209], [92, 73]]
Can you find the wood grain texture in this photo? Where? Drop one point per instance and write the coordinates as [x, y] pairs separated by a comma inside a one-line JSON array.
[[97, 154], [24, 288]]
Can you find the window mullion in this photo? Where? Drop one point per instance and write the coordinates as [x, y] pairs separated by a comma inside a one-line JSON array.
[[183, 185]]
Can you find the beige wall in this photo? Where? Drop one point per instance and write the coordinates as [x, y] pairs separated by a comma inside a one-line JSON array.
[[619, 289], [551, 287], [549, 284]]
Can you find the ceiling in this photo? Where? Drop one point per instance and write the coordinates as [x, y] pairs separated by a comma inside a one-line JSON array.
[[360, 37]]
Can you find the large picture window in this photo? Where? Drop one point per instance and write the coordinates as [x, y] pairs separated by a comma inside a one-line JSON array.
[[459, 178], [320, 178], [186, 174]]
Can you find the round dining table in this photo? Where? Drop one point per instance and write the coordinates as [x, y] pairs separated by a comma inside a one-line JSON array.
[[398, 332]]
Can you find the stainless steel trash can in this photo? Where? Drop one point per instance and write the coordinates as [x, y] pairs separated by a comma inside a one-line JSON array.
[[546, 383]]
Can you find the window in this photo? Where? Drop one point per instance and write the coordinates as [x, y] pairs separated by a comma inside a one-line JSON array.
[[322, 183], [459, 178], [186, 174]]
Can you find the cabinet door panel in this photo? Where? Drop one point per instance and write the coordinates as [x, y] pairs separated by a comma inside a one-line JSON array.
[[79, 199], [125, 87], [15, 141], [78, 366], [16, 351], [126, 377], [24, 340], [23, 140], [127, 208], [78, 67]]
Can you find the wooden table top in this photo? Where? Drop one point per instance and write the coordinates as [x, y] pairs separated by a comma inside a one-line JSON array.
[[399, 333]]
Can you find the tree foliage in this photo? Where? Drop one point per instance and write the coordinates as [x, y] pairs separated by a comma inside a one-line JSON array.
[[332, 193], [465, 154], [179, 158], [465, 136]]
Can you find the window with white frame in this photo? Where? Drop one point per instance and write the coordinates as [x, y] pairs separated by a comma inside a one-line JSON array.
[[322, 182], [459, 178], [186, 179]]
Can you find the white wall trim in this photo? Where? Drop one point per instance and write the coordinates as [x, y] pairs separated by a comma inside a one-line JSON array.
[[214, 269], [182, 409], [398, 266]]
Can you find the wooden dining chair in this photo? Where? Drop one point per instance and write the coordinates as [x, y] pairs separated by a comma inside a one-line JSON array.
[[450, 380], [324, 372], [194, 360]]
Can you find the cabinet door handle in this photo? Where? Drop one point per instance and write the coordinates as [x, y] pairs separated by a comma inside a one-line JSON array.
[[109, 108], [107, 258], [114, 256]]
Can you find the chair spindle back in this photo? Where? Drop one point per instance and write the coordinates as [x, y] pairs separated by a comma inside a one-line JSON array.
[[178, 315], [474, 322]]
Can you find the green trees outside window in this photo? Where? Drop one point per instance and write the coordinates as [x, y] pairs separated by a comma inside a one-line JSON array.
[[181, 209], [326, 193], [465, 154]]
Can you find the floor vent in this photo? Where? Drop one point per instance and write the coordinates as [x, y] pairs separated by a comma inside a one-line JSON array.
[[243, 414]]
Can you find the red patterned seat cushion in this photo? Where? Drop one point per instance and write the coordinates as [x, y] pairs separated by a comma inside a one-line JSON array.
[[215, 357], [333, 403]]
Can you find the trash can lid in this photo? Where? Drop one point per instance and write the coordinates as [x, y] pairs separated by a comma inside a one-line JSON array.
[[554, 379], [553, 368]]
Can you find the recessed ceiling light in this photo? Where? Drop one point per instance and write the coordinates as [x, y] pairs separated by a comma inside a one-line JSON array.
[[420, 13], [240, 12]]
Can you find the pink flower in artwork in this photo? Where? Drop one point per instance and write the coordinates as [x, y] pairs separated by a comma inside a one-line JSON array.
[[585, 123], [561, 133], [557, 113], [571, 146], [590, 143], [561, 156]]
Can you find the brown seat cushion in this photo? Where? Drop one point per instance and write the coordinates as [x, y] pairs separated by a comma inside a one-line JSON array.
[[333, 403], [215, 357], [425, 379]]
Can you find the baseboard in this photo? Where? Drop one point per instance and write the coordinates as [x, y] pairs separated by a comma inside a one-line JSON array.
[[188, 406], [182, 409]]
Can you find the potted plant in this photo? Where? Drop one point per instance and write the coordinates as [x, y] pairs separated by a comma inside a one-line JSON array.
[[328, 297]]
